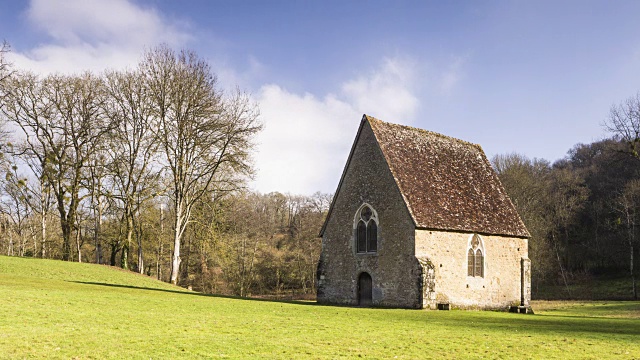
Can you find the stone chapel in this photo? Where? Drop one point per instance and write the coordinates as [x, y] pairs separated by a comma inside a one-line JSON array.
[[421, 220]]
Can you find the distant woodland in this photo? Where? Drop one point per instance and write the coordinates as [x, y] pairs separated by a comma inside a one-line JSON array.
[[146, 169], [581, 211]]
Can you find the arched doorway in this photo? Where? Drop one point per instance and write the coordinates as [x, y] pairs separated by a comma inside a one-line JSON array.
[[365, 289]]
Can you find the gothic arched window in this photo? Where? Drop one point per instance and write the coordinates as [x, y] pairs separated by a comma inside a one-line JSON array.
[[366, 230], [475, 257]]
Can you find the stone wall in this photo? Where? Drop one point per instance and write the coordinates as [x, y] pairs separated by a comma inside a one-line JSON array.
[[447, 251], [395, 271]]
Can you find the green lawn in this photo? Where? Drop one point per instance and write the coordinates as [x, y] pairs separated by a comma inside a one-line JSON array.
[[52, 309]]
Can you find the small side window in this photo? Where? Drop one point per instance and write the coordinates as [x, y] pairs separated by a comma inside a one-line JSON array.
[[475, 257]]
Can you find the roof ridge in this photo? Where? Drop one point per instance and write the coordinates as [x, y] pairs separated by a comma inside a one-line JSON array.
[[374, 120]]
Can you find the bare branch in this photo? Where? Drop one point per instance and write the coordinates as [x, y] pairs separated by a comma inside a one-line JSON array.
[[624, 123]]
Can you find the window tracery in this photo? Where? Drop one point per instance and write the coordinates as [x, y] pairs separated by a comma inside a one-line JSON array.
[[366, 230], [475, 257]]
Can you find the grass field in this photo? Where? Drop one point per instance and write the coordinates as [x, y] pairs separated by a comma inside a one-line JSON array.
[[52, 309]]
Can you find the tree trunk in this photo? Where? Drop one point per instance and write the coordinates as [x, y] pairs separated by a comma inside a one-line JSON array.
[[96, 234], [138, 226], [161, 245], [10, 250], [44, 206], [186, 255], [631, 241], [124, 257], [177, 235], [98, 243], [66, 236], [175, 258], [114, 254], [127, 244], [43, 224], [158, 266], [631, 226], [22, 243], [66, 222], [633, 277], [140, 260], [78, 245], [35, 241], [564, 277], [242, 263]]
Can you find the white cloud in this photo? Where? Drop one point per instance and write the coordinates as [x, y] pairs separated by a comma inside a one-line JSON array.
[[307, 139], [302, 146], [386, 93], [94, 35]]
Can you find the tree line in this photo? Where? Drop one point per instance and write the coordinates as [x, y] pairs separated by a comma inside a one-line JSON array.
[[146, 169], [582, 211]]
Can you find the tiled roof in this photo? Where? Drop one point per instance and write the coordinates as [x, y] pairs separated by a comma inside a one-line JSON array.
[[447, 184]]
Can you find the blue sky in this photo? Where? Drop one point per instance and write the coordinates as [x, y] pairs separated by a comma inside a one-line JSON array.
[[529, 77]]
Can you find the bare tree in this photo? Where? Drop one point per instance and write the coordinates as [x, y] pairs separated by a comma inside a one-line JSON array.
[[624, 123], [97, 191], [62, 122], [132, 147], [627, 203], [23, 103], [205, 139], [569, 195], [37, 192], [528, 183], [15, 206]]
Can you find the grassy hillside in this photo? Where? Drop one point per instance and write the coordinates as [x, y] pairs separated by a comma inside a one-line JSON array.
[[52, 309], [74, 272]]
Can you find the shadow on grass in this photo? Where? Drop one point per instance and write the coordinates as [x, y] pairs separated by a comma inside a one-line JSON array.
[[549, 323], [520, 325], [574, 324], [193, 293]]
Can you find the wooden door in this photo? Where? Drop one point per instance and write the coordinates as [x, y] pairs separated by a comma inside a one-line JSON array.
[[365, 289]]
